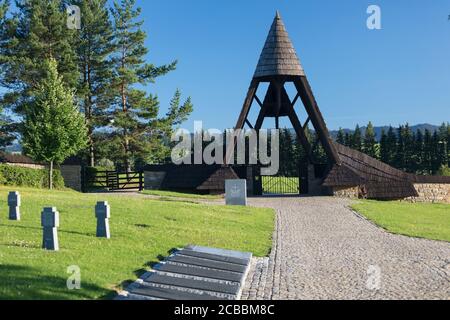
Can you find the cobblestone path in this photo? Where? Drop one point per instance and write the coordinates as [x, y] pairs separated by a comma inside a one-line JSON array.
[[323, 250]]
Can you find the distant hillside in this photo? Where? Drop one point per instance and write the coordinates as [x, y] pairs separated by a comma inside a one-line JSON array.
[[378, 130], [14, 148]]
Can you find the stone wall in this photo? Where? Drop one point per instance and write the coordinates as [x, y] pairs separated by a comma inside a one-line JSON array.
[[153, 179], [346, 192], [27, 165], [72, 176], [431, 192]]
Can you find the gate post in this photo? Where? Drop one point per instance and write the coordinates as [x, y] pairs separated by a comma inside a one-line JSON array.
[[141, 181], [303, 176]]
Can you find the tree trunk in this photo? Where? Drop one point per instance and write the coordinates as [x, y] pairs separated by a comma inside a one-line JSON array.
[[50, 176], [91, 148]]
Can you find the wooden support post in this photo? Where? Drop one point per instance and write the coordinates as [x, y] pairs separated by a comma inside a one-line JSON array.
[[307, 96]]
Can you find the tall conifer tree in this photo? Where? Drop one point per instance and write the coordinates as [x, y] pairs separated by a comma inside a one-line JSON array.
[[370, 142], [94, 45], [134, 113], [40, 33]]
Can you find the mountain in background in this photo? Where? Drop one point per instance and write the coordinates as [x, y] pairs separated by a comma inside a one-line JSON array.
[[14, 148], [415, 128], [17, 148]]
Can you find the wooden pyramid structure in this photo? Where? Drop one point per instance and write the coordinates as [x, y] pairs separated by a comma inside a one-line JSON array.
[[347, 168], [278, 65]]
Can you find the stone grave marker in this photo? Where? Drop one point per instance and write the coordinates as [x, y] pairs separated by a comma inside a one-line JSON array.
[[14, 205], [103, 213], [50, 223], [236, 192]]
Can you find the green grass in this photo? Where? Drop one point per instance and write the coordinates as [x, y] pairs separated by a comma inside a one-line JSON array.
[[142, 230], [422, 220], [172, 194]]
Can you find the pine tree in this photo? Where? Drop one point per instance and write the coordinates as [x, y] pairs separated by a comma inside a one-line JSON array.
[[5, 29], [357, 139], [135, 126], [54, 129], [409, 146], [340, 138], [40, 32], [348, 140], [418, 153], [384, 151], [443, 144], [370, 142], [427, 158], [93, 46], [437, 154], [391, 146]]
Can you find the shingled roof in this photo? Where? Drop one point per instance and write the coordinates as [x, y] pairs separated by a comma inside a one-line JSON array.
[[15, 158], [379, 180], [278, 56]]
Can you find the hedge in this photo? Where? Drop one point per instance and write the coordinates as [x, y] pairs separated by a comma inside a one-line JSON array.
[[28, 177]]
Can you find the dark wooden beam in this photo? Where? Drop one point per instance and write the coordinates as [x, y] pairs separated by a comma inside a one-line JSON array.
[[247, 104], [258, 101], [295, 99], [260, 120], [248, 123], [305, 125], [243, 115], [277, 123], [300, 133], [307, 96]]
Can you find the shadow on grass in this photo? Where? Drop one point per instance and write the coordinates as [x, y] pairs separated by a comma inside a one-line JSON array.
[[26, 283], [60, 230], [148, 265]]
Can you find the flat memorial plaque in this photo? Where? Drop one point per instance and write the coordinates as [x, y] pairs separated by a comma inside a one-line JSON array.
[[236, 192], [215, 257], [194, 284], [207, 263], [201, 272]]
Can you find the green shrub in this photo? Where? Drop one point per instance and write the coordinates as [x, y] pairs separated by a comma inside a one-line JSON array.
[[28, 177], [444, 171]]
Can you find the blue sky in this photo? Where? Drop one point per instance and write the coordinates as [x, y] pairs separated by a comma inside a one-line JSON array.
[[391, 76], [395, 75]]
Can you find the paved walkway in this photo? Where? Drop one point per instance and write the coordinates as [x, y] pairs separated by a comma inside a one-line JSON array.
[[322, 250]]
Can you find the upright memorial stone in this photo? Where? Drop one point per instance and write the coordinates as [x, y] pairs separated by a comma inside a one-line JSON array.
[[14, 205], [50, 222], [103, 213], [236, 192]]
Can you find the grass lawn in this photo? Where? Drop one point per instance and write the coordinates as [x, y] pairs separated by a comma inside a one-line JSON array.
[[172, 194], [423, 220], [142, 231]]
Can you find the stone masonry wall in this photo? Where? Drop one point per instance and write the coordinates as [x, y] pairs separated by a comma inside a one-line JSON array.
[[431, 192], [27, 165], [346, 192]]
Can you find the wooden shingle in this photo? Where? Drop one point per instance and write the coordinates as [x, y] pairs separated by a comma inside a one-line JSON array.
[[278, 57]]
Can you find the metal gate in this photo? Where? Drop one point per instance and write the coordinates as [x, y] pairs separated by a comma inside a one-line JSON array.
[[114, 181], [280, 185]]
